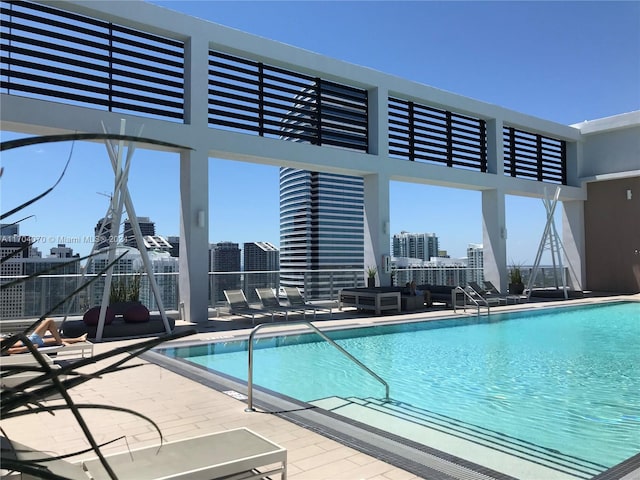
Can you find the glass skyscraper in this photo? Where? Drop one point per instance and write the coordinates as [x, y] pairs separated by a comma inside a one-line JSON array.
[[321, 231]]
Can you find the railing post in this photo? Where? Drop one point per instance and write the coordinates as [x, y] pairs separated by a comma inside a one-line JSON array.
[[322, 335]]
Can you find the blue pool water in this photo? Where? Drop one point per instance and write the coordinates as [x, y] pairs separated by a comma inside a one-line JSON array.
[[566, 379]]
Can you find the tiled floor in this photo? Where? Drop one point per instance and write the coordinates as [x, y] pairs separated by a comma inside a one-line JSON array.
[[182, 408]]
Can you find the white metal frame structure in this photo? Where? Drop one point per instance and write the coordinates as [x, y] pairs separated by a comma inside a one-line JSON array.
[[552, 241]]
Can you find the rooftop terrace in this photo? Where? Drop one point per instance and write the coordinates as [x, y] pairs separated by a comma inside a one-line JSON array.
[[186, 407]]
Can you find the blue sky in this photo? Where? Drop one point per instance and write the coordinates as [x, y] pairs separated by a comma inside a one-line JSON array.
[[562, 61]]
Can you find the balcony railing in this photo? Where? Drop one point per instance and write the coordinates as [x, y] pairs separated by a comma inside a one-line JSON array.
[[38, 295]]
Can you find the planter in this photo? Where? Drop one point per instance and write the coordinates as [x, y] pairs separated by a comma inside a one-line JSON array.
[[120, 307], [371, 282], [516, 288]]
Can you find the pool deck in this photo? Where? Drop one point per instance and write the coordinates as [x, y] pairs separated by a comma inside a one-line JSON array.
[[183, 408]]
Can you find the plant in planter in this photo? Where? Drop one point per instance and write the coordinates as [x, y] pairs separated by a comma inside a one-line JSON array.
[[124, 299], [371, 276], [516, 286], [125, 290]]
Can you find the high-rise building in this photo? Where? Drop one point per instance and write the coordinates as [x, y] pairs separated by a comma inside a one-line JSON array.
[[147, 228], [9, 229], [475, 263], [174, 241], [322, 214], [62, 251], [102, 233], [165, 270], [224, 257], [46, 293], [34, 296], [264, 259], [415, 245], [321, 231], [12, 298]]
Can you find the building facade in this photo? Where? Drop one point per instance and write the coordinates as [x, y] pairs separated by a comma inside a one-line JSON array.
[[475, 263], [43, 293], [12, 299], [147, 228], [415, 245], [321, 231], [224, 257], [263, 258]]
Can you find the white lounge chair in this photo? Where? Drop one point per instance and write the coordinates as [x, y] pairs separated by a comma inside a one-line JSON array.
[[480, 299], [238, 305], [16, 370], [488, 297], [272, 303], [239, 454], [491, 289], [296, 299], [80, 349]]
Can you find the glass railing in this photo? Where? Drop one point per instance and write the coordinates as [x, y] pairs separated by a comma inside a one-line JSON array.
[[37, 295]]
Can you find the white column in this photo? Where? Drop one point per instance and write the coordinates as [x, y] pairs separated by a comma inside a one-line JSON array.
[[376, 188], [379, 121], [194, 235], [573, 236], [494, 237], [494, 230], [194, 190], [573, 240], [495, 151], [376, 224]]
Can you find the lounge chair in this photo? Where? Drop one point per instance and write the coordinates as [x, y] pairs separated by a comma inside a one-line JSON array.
[[481, 299], [238, 305], [236, 454], [272, 303], [486, 295], [80, 349], [296, 299], [490, 288], [18, 369]]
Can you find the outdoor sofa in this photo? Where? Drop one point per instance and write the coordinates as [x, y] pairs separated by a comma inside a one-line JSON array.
[[122, 320], [397, 299]]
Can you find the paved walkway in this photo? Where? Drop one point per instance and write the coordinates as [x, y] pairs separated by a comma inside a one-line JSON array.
[[183, 408]]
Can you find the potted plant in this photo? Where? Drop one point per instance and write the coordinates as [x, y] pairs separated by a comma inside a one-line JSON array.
[[124, 293], [371, 277], [516, 286]]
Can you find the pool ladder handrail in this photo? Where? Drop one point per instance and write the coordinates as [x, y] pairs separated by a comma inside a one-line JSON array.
[[322, 335], [467, 295]]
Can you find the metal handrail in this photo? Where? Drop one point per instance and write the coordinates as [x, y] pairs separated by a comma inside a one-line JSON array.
[[323, 336], [470, 297]]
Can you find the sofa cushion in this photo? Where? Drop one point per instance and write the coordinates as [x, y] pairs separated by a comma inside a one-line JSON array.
[[92, 316]]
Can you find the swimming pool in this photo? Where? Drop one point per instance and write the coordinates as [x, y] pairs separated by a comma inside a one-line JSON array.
[[565, 380]]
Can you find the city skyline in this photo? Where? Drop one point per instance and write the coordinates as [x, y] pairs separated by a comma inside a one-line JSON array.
[[590, 58]]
